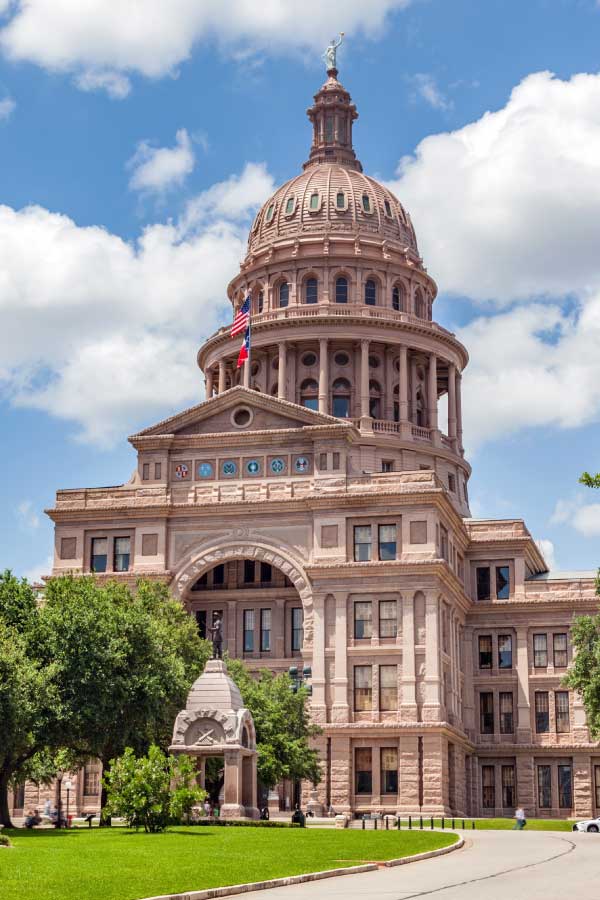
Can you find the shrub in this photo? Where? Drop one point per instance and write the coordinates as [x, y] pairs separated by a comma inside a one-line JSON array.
[[4, 841]]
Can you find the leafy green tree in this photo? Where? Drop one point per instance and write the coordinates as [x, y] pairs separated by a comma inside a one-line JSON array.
[[152, 790], [591, 481]]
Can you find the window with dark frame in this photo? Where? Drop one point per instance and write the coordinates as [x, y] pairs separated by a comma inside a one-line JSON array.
[[99, 554], [266, 573], [559, 650], [561, 708], [248, 631], [341, 290], [396, 298], [488, 787], [157, 470], [284, 294], [362, 543], [486, 712], [363, 619], [146, 472], [121, 554], [370, 292], [540, 651], [363, 770], [565, 787], [505, 651], [91, 778], [544, 783], [388, 688], [311, 291], [363, 688], [387, 465], [386, 539], [502, 582], [506, 712], [542, 712], [389, 770], [297, 628], [485, 651], [483, 582], [265, 630], [249, 571], [508, 787], [388, 625], [218, 575]]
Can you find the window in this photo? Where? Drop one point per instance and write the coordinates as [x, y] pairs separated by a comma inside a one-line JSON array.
[[249, 571], [289, 206], [483, 582], [146, 472], [309, 360], [544, 781], [270, 211], [542, 714], [266, 573], [396, 298], [370, 292], [486, 712], [309, 394], [297, 628], [565, 787], [201, 622], [265, 630], [261, 302], [219, 575], [363, 619], [157, 470], [363, 690], [504, 651], [366, 202], [502, 582], [387, 541], [374, 399], [362, 543], [314, 201], [311, 293], [419, 305], [340, 200], [540, 651], [363, 770], [508, 787], [597, 785], [388, 688], [341, 398], [451, 482], [485, 651], [387, 618], [341, 359], [248, 631], [341, 290], [444, 542], [284, 294], [506, 712], [561, 705], [488, 787], [99, 554], [559, 647], [91, 778], [388, 208], [389, 770], [387, 465]]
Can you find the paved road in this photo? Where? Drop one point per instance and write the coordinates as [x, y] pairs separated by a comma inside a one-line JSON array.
[[493, 865]]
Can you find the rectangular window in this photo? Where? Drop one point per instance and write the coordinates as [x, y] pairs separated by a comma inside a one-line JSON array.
[[266, 573], [218, 574], [363, 690], [504, 651], [542, 714], [483, 582], [248, 631], [444, 542], [91, 778], [362, 543], [146, 472], [387, 619], [157, 470], [561, 704], [508, 787], [388, 688], [597, 785], [451, 482], [322, 462], [502, 582], [201, 622], [122, 554], [506, 712], [265, 630], [544, 781], [486, 712], [559, 647], [387, 542], [249, 570], [488, 787], [297, 628], [387, 465], [565, 787], [363, 769], [485, 651], [336, 461], [99, 555], [540, 651], [363, 619], [389, 770]]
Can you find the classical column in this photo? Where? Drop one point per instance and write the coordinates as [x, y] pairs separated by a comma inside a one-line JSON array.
[[459, 426], [339, 712], [293, 355], [364, 378], [432, 392], [247, 374], [523, 706], [452, 401], [388, 412], [209, 384], [433, 680], [403, 384], [413, 389], [282, 371], [222, 375], [323, 376]]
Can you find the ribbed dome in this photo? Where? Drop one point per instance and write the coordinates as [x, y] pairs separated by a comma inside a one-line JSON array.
[[331, 199]]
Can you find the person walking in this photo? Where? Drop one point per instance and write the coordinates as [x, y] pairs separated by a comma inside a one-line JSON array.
[[520, 820]]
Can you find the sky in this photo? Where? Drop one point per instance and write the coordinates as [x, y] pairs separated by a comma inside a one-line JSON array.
[[138, 139]]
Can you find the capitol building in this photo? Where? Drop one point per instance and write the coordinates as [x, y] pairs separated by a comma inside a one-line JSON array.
[[317, 502]]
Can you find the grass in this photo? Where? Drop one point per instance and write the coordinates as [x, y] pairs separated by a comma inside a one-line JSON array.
[[119, 864], [532, 824]]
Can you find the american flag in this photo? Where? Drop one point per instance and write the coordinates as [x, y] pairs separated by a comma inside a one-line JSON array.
[[241, 319]]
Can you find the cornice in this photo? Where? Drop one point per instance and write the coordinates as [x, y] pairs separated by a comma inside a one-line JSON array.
[[346, 431]]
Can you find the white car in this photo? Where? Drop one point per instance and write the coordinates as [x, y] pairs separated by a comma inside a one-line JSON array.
[[588, 825]]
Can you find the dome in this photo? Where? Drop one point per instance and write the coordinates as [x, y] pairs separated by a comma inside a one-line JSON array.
[[331, 198], [214, 689]]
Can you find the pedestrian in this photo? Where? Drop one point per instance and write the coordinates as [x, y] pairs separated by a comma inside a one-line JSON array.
[[47, 808], [298, 817], [32, 819], [520, 820], [207, 807]]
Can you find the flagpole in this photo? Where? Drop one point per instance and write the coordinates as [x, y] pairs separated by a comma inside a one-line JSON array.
[[247, 363]]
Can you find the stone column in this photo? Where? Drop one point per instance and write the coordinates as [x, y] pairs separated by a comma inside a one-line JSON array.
[[523, 705], [408, 701], [282, 372], [342, 776], [293, 392], [279, 628], [403, 384], [364, 378], [339, 710], [388, 411], [413, 389], [452, 402], [459, 428], [323, 376], [222, 375], [247, 374], [318, 709], [209, 384], [583, 801], [409, 774], [526, 784], [432, 393], [433, 680], [232, 807]]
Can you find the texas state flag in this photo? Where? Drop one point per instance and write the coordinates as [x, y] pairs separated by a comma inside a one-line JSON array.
[[245, 349]]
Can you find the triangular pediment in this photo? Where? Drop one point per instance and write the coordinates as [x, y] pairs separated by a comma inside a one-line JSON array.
[[222, 414]]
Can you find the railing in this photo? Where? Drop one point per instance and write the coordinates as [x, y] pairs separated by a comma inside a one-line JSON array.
[[420, 434], [386, 426]]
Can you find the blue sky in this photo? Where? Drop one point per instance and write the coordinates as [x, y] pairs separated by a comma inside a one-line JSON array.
[[133, 155]]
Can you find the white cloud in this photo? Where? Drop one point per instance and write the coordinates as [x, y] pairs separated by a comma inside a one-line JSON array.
[[154, 37], [116, 85], [548, 552], [160, 168], [27, 516], [583, 517], [7, 108], [426, 88], [34, 575], [103, 333]]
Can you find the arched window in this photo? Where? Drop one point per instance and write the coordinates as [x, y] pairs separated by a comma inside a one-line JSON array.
[[311, 293], [284, 294], [259, 302], [341, 398], [370, 292], [341, 290], [374, 399], [309, 394], [419, 304], [387, 207]]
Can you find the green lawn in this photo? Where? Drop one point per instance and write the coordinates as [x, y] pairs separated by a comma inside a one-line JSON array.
[[118, 864], [532, 824]]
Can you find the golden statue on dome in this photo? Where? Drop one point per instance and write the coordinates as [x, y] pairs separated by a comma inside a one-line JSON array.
[[330, 53]]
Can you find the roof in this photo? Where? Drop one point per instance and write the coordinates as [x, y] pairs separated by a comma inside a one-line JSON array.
[[214, 690]]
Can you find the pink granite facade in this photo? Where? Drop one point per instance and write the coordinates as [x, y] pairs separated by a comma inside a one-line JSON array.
[[319, 503]]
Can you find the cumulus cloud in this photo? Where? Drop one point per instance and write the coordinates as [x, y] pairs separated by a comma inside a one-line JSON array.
[[425, 87], [103, 333], [583, 517], [547, 550], [27, 516], [35, 574], [7, 108], [154, 37], [160, 168], [115, 84]]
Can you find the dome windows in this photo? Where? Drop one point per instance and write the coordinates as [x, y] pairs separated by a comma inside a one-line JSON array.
[[260, 303], [419, 304], [314, 202], [270, 213], [341, 290], [371, 292], [341, 359], [309, 394], [366, 204], [284, 294], [290, 205], [309, 360], [341, 398], [341, 201], [398, 298], [388, 208], [373, 362], [311, 290], [329, 129]]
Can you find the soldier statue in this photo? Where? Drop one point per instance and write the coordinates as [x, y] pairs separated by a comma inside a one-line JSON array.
[[216, 633]]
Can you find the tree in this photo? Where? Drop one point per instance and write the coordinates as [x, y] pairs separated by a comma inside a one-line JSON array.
[[282, 723], [591, 481], [152, 790]]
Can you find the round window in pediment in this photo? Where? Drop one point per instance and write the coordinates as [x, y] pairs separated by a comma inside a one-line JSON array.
[[241, 417]]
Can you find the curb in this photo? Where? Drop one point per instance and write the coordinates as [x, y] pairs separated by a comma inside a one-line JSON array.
[[212, 893]]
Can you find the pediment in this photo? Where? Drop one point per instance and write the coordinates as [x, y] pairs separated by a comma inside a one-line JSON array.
[[222, 414]]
